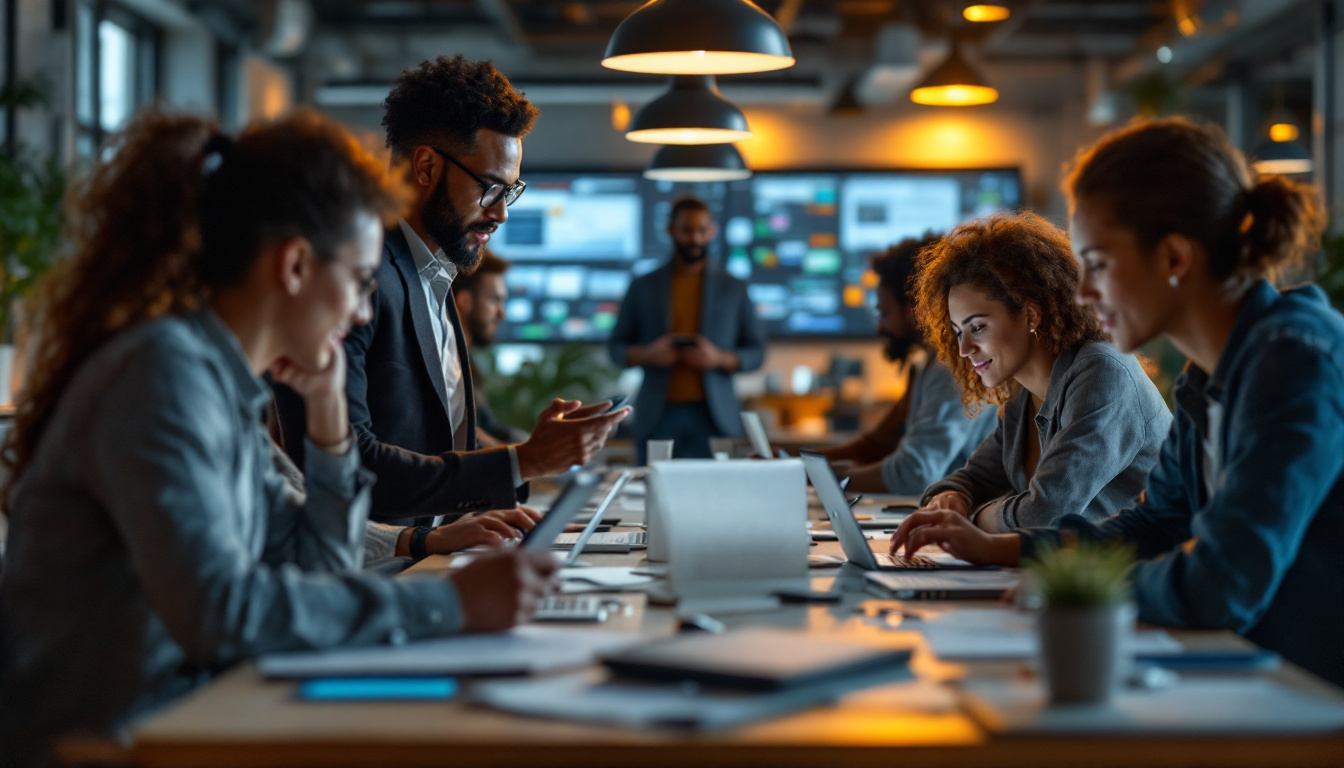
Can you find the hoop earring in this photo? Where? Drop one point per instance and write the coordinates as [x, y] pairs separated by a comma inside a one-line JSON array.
[[1174, 281]]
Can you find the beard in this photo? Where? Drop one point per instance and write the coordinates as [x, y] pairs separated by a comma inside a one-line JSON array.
[[450, 230], [897, 348], [482, 331], [690, 254]]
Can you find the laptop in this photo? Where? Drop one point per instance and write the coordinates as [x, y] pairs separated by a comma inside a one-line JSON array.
[[565, 508], [608, 541], [760, 443], [850, 533]]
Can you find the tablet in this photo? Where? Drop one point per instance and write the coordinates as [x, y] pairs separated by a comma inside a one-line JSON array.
[[562, 512]]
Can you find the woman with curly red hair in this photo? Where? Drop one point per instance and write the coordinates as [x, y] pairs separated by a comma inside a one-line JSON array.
[[1081, 423]]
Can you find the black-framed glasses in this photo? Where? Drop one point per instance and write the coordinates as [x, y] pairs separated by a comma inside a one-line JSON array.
[[491, 192]]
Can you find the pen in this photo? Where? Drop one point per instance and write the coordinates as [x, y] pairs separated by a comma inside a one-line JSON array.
[[856, 500]]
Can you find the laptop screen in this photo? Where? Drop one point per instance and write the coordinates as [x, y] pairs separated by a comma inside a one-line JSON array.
[[596, 520], [846, 527], [751, 422], [565, 509]]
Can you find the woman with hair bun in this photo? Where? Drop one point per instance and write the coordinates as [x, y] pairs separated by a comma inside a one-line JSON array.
[[1080, 424], [151, 542], [1242, 519]]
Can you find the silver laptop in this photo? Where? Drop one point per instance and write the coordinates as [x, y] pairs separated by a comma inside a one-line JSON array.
[[760, 443], [848, 530], [607, 541], [565, 508]]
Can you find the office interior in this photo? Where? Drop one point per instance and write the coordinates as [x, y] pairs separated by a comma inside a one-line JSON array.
[[840, 163]]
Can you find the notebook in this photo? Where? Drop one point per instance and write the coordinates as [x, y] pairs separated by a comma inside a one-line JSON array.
[[942, 585], [754, 658]]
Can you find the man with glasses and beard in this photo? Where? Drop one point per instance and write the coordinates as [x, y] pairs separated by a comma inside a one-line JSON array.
[[926, 434], [455, 131], [690, 326]]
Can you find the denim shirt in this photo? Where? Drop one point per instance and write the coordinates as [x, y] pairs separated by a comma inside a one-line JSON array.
[[1101, 426], [938, 436], [1264, 554], [152, 543]]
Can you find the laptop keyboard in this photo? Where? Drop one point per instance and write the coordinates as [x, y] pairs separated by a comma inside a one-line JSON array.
[[609, 538], [901, 561], [563, 608]]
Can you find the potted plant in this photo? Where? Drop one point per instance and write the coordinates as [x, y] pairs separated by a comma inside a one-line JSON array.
[[31, 191], [572, 371], [1086, 620]]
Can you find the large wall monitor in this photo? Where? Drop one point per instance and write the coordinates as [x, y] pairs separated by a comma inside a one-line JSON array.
[[801, 240]]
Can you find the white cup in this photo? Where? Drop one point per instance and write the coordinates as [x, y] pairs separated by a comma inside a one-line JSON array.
[[659, 450]]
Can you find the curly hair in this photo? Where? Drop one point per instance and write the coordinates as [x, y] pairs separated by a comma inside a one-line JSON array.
[[448, 100], [1176, 175], [895, 267], [175, 211], [1017, 259]]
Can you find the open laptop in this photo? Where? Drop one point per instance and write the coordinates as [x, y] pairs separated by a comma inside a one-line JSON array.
[[608, 541], [760, 443], [563, 511], [849, 532]]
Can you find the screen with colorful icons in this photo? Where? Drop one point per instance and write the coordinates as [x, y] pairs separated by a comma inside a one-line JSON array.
[[801, 241]]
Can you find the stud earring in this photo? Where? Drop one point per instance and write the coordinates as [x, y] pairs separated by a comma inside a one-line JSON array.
[[1033, 331], [1174, 281]]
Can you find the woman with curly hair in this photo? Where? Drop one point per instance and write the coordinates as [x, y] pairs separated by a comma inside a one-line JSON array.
[[1080, 424], [151, 543], [1242, 518]]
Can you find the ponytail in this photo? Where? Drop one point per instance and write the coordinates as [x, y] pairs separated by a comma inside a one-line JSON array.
[[1177, 176]]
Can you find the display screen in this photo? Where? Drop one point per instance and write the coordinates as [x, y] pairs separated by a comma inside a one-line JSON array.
[[800, 240]]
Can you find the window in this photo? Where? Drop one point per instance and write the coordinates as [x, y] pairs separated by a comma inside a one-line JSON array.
[[116, 70]]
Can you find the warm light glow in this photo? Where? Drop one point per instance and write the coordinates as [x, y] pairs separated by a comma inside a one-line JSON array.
[[697, 174], [954, 95], [1188, 26], [688, 136], [1282, 132], [986, 12], [1283, 166], [620, 115], [698, 62]]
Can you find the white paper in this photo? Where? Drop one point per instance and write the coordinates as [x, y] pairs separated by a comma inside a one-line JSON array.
[[1006, 634], [603, 577], [524, 650]]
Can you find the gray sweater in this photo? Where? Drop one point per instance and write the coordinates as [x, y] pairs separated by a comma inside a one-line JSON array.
[[152, 543], [1101, 427]]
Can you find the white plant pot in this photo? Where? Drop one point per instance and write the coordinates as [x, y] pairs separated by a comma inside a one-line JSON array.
[[1085, 652], [6, 373]]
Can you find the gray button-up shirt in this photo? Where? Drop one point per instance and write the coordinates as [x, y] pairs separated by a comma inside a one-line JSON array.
[[152, 542], [1101, 427]]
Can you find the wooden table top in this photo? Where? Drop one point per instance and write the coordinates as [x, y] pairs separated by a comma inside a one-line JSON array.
[[244, 720]]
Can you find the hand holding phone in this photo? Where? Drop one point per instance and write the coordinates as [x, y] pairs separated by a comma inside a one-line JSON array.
[[684, 341]]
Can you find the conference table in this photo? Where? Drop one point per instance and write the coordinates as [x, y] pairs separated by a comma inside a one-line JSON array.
[[243, 719]]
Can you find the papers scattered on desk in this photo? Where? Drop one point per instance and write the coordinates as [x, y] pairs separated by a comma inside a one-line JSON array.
[[525, 650], [603, 579], [1006, 634], [1226, 705]]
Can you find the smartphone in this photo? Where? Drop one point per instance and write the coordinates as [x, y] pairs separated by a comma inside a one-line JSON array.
[[617, 402], [684, 341]]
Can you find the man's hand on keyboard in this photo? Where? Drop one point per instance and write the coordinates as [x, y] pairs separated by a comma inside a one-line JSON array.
[[488, 529]]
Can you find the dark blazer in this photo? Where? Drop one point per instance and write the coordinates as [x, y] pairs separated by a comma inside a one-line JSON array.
[[727, 318], [399, 407]]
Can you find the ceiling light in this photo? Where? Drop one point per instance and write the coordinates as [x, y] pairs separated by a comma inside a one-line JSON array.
[[1164, 55], [698, 37], [1285, 131], [954, 83], [697, 162], [1286, 157], [986, 12], [691, 112]]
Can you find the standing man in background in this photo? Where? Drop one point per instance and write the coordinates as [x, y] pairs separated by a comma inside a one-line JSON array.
[[480, 298], [690, 326]]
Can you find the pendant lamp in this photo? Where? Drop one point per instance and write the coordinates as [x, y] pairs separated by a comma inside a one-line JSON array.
[[691, 112], [698, 37], [1285, 157], [697, 162], [954, 83], [985, 12]]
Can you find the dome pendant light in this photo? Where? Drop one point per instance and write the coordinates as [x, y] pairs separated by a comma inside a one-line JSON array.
[[985, 12], [698, 162], [698, 37], [691, 112], [954, 83]]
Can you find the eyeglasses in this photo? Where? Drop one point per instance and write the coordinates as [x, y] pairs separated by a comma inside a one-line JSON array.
[[491, 192]]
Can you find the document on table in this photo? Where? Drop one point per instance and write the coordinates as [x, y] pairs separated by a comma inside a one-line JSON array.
[[604, 579], [521, 651], [1006, 634], [1236, 705]]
